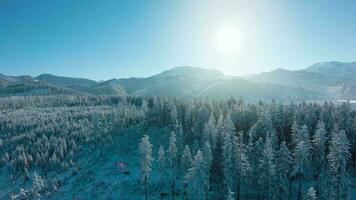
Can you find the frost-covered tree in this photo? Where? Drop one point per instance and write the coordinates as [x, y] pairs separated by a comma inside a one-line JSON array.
[[185, 165], [283, 170], [197, 179], [37, 186], [228, 164], [145, 149], [210, 131], [268, 170], [311, 194], [172, 159], [161, 168], [173, 116], [301, 155], [319, 160], [339, 154], [208, 159], [186, 161], [228, 126], [241, 164], [255, 150], [304, 136]]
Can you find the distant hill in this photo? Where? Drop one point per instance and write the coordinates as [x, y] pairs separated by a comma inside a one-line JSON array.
[[334, 69], [322, 81], [198, 82], [73, 83], [323, 78], [26, 85]]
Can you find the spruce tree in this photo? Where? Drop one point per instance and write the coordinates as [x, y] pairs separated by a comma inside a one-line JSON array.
[[197, 178], [301, 155], [339, 154], [319, 154], [283, 170], [228, 164], [145, 149], [186, 161], [208, 159], [311, 194], [268, 169], [161, 168], [210, 131], [172, 159]]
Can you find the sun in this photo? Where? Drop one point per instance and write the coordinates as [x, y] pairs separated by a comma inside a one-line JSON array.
[[228, 39]]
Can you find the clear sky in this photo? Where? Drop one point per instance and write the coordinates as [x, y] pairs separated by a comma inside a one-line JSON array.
[[124, 38]]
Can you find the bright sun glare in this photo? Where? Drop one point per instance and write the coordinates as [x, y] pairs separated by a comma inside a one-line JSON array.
[[228, 39]]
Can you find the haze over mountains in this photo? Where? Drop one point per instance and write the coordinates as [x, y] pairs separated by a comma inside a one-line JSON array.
[[322, 81]]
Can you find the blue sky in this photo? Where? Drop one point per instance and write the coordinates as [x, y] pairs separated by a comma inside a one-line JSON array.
[[113, 39]]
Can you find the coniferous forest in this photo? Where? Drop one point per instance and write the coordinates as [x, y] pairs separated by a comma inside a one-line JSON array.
[[111, 147]]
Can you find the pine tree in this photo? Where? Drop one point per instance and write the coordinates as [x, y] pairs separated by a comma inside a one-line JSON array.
[[339, 154], [301, 155], [186, 161], [218, 160], [268, 170], [228, 163], [305, 137], [241, 164], [145, 149], [37, 186], [210, 131], [319, 154], [172, 159], [161, 168], [311, 195], [255, 150], [173, 116], [208, 159], [283, 170], [186, 164], [197, 178]]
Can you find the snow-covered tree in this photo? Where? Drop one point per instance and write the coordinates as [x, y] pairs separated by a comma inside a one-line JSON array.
[[241, 164], [208, 159], [210, 131], [172, 159], [197, 178], [228, 164], [283, 169], [301, 155], [319, 154], [186, 161], [145, 149], [268, 169], [161, 168], [37, 186], [339, 154], [311, 194]]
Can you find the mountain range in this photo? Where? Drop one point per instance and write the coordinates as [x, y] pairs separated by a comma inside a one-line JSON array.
[[321, 81]]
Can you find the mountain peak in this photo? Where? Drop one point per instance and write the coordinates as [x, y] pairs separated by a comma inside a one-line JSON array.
[[193, 72], [334, 68]]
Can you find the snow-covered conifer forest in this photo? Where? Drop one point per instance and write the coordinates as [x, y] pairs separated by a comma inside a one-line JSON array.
[[110, 147]]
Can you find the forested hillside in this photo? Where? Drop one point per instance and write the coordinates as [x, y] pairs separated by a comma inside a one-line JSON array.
[[76, 146]]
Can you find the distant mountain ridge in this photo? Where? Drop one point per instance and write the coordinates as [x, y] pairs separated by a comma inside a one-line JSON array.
[[69, 82], [322, 81]]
